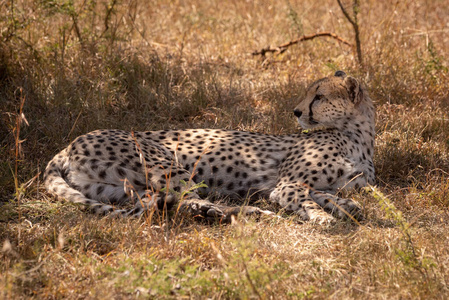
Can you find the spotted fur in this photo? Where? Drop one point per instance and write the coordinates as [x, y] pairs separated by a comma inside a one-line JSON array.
[[107, 169]]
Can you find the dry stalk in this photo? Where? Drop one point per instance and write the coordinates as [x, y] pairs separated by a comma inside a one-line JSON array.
[[282, 48], [20, 117], [355, 24]]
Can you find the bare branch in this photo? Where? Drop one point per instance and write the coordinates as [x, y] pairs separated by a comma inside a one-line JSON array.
[[282, 48], [355, 24], [109, 10], [343, 9]]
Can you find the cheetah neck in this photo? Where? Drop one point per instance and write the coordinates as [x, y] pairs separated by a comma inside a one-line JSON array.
[[360, 130]]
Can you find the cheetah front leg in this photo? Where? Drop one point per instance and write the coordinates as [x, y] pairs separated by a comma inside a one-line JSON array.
[[313, 205], [296, 198]]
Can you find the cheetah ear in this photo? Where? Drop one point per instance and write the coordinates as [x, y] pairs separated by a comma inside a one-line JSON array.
[[355, 89], [340, 74]]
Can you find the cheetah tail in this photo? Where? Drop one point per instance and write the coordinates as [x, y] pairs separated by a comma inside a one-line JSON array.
[[55, 182]]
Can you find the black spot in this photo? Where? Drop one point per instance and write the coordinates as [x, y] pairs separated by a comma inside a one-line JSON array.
[[340, 172], [100, 189], [138, 183], [350, 177], [121, 172], [102, 174]]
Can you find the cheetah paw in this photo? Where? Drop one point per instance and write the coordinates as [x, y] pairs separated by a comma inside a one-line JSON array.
[[322, 219], [317, 217], [350, 211]]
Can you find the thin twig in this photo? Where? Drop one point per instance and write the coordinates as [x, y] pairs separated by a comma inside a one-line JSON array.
[[355, 24], [109, 11], [343, 10], [282, 48]]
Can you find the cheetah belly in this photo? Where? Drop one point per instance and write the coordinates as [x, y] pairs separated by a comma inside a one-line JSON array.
[[238, 178], [229, 162]]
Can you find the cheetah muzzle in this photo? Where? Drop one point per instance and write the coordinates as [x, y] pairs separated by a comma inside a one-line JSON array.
[[108, 170]]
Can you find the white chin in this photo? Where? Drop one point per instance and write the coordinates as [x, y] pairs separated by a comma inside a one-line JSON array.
[[307, 125]]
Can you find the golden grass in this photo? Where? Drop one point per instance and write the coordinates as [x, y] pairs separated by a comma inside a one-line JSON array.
[[183, 64]]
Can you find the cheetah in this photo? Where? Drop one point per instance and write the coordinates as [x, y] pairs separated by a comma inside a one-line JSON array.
[[116, 172]]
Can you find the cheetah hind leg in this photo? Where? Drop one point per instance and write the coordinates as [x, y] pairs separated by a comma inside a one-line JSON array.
[[192, 206]]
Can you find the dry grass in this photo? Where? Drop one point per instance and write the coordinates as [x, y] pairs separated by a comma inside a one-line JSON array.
[[183, 64]]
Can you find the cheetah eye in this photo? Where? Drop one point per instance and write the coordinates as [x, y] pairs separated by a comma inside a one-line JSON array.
[[318, 98]]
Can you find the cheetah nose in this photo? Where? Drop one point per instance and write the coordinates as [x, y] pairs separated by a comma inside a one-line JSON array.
[[297, 113]]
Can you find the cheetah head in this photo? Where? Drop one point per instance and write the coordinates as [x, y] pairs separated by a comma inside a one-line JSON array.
[[332, 102]]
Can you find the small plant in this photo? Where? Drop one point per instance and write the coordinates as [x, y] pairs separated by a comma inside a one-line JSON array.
[[295, 20], [434, 64]]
